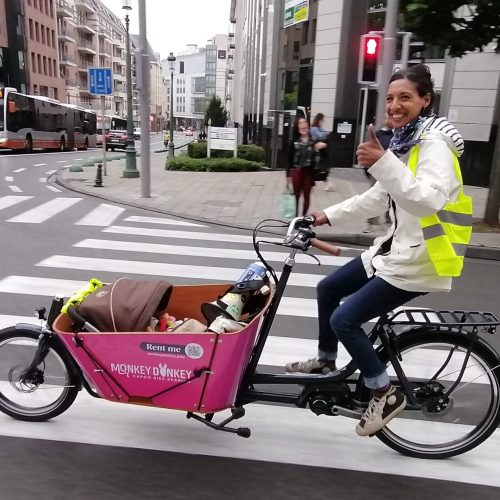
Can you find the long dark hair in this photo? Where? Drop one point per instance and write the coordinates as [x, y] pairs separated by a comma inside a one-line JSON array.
[[296, 134], [420, 75], [317, 119]]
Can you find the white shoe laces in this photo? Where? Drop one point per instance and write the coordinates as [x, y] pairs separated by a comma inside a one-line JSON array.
[[375, 407]]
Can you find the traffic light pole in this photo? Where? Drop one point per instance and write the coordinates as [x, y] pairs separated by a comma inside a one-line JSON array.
[[388, 57]]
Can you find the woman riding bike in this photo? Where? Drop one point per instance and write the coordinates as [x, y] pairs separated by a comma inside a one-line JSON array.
[[419, 182]]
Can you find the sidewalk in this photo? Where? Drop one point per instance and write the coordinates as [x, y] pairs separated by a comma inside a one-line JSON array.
[[243, 199]]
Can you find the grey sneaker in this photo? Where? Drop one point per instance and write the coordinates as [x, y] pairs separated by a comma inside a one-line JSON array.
[[380, 411], [314, 365]]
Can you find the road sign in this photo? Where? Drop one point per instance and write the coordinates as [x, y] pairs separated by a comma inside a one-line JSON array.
[[100, 81]]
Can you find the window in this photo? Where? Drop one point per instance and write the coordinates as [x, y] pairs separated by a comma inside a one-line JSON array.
[[211, 66], [33, 62], [35, 4], [31, 28], [221, 54], [20, 57], [181, 67], [37, 32], [53, 39], [50, 66], [39, 59], [52, 15], [44, 65], [56, 94], [42, 29], [20, 25], [46, 7], [313, 31], [305, 32], [296, 46], [54, 62], [48, 37]]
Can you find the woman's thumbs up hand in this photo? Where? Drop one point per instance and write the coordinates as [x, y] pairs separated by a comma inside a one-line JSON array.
[[370, 152]]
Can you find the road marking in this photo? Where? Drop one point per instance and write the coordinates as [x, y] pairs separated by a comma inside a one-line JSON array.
[[40, 165], [103, 215], [9, 179], [45, 211], [188, 235], [62, 161], [219, 253], [48, 287], [53, 188], [9, 201], [161, 220], [225, 274], [278, 432], [50, 172], [19, 170], [43, 179], [15, 189]]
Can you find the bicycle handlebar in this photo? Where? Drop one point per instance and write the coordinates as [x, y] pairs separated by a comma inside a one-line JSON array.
[[325, 247]]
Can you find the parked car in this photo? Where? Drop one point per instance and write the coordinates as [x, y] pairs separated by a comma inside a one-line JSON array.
[[137, 133], [166, 138], [116, 139]]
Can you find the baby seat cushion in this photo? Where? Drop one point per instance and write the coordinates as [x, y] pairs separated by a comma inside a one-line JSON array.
[[126, 305]]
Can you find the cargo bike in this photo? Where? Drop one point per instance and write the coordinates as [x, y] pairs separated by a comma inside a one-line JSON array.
[[439, 359]]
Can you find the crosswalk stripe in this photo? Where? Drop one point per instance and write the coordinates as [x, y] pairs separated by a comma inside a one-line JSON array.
[[53, 188], [39, 164], [103, 215], [45, 211], [280, 350], [222, 253], [19, 170], [188, 235], [43, 179], [9, 179], [48, 287], [163, 269], [161, 220], [15, 189], [11, 200], [280, 434]]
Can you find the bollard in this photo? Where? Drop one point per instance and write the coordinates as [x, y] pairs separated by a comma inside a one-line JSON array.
[[98, 177]]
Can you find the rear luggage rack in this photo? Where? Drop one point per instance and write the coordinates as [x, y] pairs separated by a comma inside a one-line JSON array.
[[445, 319]]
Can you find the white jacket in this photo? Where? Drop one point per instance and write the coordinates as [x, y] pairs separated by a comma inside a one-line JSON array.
[[407, 265]]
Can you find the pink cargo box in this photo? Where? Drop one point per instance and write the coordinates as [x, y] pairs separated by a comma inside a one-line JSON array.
[[198, 372]]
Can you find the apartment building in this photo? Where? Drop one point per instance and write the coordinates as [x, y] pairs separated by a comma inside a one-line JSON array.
[[13, 63], [313, 63]]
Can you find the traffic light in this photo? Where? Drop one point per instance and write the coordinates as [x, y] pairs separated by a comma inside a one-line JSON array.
[[416, 52], [369, 50]]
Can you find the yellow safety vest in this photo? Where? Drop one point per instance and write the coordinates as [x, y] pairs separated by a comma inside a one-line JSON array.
[[447, 232]]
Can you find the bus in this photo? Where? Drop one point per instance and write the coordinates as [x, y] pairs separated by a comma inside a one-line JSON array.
[[36, 122]]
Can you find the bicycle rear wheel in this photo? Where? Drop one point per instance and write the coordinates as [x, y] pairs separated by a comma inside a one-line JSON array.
[[444, 426], [51, 390]]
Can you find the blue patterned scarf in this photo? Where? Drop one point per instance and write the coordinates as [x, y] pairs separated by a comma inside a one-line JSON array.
[[402, 140]]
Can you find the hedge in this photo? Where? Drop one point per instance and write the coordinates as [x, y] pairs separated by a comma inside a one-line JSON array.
[[249, 152], [187, 164]]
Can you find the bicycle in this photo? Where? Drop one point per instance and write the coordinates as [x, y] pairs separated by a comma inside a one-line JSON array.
[[449, 373]]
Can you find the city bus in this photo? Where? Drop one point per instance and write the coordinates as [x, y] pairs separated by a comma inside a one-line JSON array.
[[36, 122]]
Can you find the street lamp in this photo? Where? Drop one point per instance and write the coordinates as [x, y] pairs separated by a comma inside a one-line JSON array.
[[130, 166], [171, 64]]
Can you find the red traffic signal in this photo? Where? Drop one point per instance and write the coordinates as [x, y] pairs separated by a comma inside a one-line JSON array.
[[368, 58]]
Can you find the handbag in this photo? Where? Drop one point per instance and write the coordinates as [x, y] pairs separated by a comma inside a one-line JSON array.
[[320, 167], [288, 204]]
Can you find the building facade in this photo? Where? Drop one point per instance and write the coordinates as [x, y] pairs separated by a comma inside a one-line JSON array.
[[314, 64]]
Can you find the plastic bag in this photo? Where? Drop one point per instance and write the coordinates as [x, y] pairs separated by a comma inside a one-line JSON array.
[[288, 205]]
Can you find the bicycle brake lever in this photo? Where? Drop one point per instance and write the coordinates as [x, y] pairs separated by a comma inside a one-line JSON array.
[[313, 257]]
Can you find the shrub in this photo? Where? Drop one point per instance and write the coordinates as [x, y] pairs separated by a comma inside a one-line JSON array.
[[252, 152], [187, 164], [249, 152]]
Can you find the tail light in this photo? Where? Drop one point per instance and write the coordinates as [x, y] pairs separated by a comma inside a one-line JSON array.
[[107, 137], [124, 137]]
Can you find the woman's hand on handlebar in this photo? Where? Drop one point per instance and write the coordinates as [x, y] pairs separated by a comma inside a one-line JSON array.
[[320, 218]]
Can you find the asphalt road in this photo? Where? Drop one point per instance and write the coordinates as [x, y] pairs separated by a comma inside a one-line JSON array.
[[53, 239]]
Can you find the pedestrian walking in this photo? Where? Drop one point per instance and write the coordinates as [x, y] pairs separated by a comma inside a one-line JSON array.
[[301, 160], [318, 133]]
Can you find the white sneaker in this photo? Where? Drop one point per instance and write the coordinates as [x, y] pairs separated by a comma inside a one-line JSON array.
[[313, 365], [380, 411]]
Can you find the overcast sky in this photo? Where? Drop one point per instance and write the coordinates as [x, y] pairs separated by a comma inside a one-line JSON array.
[[172, 24]]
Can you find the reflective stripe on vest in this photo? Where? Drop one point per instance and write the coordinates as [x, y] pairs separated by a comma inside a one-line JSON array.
[[447, 232]]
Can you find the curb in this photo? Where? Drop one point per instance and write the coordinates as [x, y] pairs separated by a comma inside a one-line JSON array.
[[357, 239]]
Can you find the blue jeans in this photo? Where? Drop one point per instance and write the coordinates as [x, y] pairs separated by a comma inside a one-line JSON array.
[[368, 298]]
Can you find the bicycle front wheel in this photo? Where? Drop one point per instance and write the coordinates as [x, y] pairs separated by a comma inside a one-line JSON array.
[[48, 393], [445, 424]]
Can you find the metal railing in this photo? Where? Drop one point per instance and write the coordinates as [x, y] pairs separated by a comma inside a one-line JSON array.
[[68, 59], [87, 44]]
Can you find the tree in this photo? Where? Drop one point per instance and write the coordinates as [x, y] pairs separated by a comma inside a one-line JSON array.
[[216, 113], [460, 27]]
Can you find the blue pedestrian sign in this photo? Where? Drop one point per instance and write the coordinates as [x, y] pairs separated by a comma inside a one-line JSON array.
[[100, 81]]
